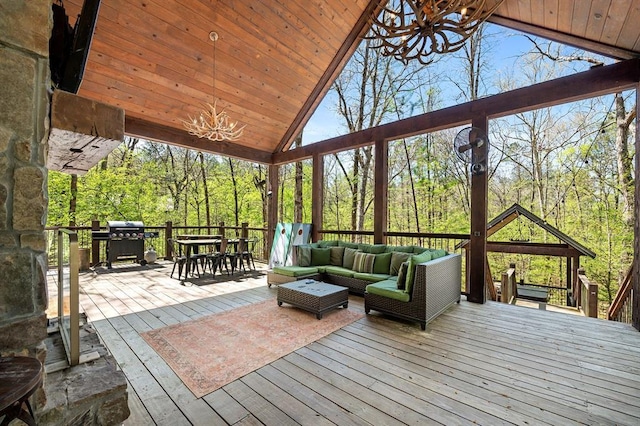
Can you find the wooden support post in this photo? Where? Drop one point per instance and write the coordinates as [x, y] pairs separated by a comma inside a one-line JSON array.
[[95, 244], [381, 191], [635, 303], [576, 281], [568, 284], [272, 200], [478, 240], [244, 233], [317, 196], [222, 229], [168, 233]]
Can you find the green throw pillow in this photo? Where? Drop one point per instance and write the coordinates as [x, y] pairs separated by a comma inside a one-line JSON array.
[[418, 250], [337, 253], [372, 248], [363, 262], [411, 269], [404, 249], [402, 276], [304, 255], [382, 263], [348, 257], [320, 256], [396, 260], [347, 244]]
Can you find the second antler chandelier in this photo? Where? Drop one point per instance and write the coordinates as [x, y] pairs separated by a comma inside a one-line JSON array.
[[416, 29]]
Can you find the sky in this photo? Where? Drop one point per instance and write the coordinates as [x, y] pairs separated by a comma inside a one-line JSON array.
[[508, 45]]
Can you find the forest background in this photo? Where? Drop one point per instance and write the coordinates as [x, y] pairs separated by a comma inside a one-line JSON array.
[[571, 165]]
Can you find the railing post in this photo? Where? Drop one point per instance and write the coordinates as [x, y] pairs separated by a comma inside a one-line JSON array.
[[95, 244], [589, 295], [168, 234], [244, 232], [221, 229], [504, 288]]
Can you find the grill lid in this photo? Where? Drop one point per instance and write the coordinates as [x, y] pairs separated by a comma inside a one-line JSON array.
[[123, 224]]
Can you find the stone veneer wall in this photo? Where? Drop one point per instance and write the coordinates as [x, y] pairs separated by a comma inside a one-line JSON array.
[[25, 28]]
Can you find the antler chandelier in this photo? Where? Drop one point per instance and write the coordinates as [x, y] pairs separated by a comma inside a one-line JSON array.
[[211, 124], [416, 29]]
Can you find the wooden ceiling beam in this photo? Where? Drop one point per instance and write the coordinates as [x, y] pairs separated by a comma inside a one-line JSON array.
[[588, 84], [538, 249], [328, 77], [568, 39], [157, 132]]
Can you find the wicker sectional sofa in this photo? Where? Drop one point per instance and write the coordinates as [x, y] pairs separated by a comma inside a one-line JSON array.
[[409, 282]]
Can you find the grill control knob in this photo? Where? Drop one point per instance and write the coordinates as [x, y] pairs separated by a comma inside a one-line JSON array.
[[121, 235], [127, 235]]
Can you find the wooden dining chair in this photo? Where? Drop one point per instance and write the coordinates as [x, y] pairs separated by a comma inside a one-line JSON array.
[[218, 258]]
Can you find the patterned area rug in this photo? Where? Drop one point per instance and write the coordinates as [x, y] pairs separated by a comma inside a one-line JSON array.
[[212, 351]]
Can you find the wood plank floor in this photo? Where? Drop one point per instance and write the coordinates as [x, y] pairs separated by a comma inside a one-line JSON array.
[[486, 364]]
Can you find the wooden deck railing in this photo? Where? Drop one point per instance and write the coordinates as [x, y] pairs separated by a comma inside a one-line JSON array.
[[508, 285], [620, 309], [588, 295]]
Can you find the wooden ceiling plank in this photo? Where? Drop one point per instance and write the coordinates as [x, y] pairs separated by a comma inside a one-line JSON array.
[[588, 84], [537, 11], [551, 14], [580, 19], [615, 20], [595, 26], [565, 16], [581, 43], [524, 10]]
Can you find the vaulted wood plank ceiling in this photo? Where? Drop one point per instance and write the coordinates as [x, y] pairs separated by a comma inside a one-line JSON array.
[[276, 59]]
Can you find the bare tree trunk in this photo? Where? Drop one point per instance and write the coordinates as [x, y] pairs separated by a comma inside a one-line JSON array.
[[297, 197], [236, 213], [354, 189], [625, 179], [73, 200], [207, 205]]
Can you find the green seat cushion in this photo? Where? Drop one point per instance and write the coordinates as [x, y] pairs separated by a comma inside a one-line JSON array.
[[382, 263], [338, 270], [411, 269], [320, 256], [372, 248], [295, 271], [397, 258], [347, 244], [321, 269], [374, 278], [337, 253], [388, 288], [348, 257]]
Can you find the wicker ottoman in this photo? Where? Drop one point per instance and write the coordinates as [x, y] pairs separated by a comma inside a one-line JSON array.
[[313, 296]]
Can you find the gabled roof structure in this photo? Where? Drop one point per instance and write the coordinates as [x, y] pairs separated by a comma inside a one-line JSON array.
[[516, 210]]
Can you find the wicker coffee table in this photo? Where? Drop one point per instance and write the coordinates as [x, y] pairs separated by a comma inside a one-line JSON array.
[[313, 296]]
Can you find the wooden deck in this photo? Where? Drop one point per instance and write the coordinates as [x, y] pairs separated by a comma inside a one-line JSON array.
[[476, 364]]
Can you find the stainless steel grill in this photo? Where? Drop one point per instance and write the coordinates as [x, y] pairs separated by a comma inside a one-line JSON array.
[[125, 241]]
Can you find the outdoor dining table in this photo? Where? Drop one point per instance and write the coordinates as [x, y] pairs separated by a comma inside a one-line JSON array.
[[192, 246]]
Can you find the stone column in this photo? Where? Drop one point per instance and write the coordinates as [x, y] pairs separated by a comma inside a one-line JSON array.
[[25, 28]]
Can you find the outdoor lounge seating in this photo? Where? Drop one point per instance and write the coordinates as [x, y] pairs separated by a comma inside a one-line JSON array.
[[409, 282]]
